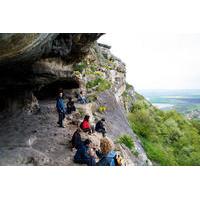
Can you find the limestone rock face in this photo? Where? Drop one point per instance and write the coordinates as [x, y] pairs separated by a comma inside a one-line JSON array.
[[29, 62], [22, 47], [33, 67]]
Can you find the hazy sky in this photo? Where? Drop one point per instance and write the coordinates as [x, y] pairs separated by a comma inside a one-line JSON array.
[[158, 60]]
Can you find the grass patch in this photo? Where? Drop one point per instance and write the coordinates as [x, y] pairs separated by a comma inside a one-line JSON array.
[[100, 84], [79, 67], [92, 98], [107, 67], [98, 73], [127, 140]]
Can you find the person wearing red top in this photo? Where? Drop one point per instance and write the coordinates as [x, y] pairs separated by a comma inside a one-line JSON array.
[[85, 125]]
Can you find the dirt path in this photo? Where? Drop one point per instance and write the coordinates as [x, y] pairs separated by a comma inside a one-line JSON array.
[[36, 139]]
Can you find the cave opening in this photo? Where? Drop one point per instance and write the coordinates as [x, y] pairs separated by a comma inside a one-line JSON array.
[[51, 90]]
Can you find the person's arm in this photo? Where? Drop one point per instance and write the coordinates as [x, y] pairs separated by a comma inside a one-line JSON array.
[[85, 153], [58, 106], [99, 154], [62, 106], [101, 125]]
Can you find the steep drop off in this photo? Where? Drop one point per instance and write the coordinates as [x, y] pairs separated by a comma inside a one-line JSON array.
[[33, 67]]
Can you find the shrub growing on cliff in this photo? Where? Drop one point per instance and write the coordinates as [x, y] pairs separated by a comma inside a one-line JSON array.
[[79, 67], [98, 73], [93, 83], [127, 140], [92, 98], [107, 67], [128, 86], [100, 84]]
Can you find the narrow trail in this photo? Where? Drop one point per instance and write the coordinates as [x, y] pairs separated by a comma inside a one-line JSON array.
[[36, 139]]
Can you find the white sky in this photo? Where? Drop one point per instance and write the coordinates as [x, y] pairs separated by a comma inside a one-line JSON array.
[[158, 60], [159, 40]]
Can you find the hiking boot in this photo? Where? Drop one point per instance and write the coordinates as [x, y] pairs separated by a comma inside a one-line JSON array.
[[62, 126]]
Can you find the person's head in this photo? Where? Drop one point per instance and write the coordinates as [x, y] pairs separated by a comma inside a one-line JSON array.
[[78, 130], [103, 120], [105, 146], [81, 92], [87, 117], [87, 142], [70, 99], [60, 94]]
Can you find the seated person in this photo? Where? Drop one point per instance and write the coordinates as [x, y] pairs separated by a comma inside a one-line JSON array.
[[81, 98], [70, 106], [76, 139], [83, 156], [100, 127], [85, 125], [108, 155]]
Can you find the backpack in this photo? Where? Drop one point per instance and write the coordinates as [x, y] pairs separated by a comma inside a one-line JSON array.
[[118, 160]]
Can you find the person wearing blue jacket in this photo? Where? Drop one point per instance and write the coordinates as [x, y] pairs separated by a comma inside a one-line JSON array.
[[60, 105], [107, 154], [82, 155]]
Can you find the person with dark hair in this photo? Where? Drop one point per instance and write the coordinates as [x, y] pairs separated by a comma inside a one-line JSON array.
[[76, 139], [70, 106], [83, 156], [100, 127], [85, 125], [81, 98], [60, 109]]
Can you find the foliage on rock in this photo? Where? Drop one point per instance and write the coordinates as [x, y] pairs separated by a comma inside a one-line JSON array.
[[127, 140], [167, 136]]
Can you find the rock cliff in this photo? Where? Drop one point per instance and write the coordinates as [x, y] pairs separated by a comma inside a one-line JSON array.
[[32, 68]]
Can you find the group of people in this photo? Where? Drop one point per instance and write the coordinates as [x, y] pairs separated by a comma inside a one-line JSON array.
[[87, 127], [69, 108], [86, 153]]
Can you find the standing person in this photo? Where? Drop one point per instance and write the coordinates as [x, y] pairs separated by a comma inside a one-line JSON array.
[[81, 98], [100, 127], [83, 156], [60, 109], [70, 106], [85, 125]]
